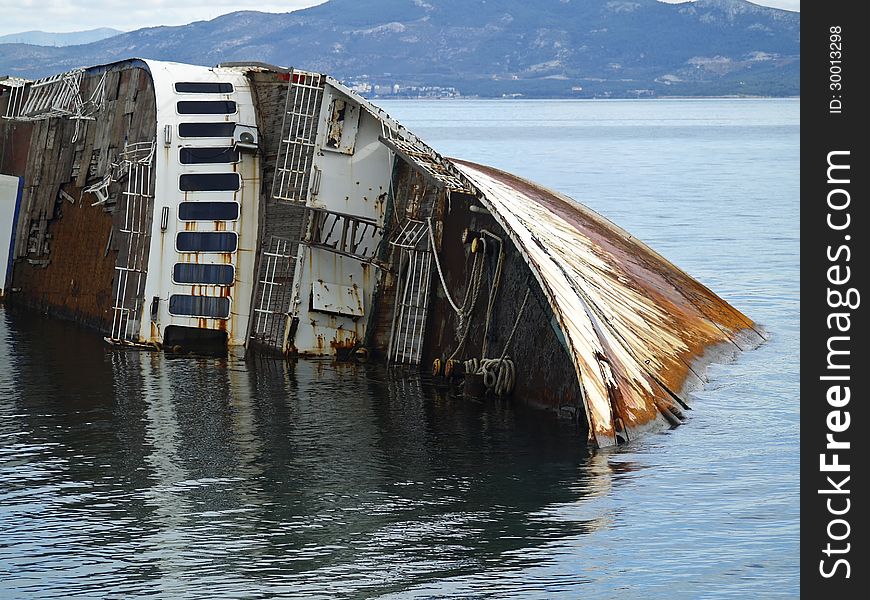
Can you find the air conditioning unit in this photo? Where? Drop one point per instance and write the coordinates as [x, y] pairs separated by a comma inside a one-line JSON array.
[[246, 137]]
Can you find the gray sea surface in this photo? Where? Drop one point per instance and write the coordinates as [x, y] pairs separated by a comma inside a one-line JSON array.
[[128, 474]]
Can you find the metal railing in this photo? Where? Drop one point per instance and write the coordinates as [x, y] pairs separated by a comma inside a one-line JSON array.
[[352, 236]]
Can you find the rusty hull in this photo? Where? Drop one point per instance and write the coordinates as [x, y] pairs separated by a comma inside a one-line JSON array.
[[638, 329], [547, 380]]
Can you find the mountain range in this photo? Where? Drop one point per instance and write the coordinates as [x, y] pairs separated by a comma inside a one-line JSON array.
[[547, 48], [47, 38]]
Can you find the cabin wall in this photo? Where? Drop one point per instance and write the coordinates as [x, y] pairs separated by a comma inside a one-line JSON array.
[[333, 291], [201, 269], [65, 251]]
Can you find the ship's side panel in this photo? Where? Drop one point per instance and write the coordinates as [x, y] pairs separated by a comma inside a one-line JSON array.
[[10, 201], [204, 234], [335, 277], [507, 313], [68, 236], [639, 329]]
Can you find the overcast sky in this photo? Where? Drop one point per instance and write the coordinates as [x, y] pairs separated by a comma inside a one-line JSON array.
[[76, 15]]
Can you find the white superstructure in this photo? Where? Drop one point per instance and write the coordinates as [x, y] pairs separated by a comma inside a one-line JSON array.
[[200, 270]]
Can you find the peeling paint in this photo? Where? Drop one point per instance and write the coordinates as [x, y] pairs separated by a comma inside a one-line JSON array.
[[635, 324]]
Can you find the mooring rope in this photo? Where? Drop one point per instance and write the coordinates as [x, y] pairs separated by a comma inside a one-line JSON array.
[[493, 291], [438, 266]]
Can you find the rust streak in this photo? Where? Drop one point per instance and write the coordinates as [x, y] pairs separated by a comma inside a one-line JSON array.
[[637, 323]]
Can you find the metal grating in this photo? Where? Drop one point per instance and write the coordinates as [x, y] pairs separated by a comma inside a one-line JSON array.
[[429, 163], [274, 291], [298, 133], [410, 234]]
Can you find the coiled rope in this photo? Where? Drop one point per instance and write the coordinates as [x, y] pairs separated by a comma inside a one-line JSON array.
[[499, 374]]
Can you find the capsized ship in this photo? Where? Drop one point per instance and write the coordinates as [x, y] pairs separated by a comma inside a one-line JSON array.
[[172, 206]]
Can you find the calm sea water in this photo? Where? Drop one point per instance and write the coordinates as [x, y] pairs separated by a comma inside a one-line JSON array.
[[127, 474]]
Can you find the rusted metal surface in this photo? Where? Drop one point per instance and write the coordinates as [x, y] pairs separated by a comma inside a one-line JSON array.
[[637, 328], [341, 232], [546, 377], [408, 146], [76, 281]]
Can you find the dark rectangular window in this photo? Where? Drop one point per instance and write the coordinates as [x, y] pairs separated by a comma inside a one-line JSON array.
[[208, 211], [206, 107], [203, 87], [199, 306], [210, 182], [206, 130], [203, 274], [206, 241], [202, 156]]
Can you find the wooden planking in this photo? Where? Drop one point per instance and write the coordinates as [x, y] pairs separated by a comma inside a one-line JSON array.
[[56, 271]]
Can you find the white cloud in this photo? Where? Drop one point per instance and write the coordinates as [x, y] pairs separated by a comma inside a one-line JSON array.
[[77, 15]]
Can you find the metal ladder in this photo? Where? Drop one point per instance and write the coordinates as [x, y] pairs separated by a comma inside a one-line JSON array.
[[16, 87], [412, 294], [132, 266], [298, 133], [274, 289]]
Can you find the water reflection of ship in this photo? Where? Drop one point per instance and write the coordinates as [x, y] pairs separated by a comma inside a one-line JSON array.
[[387, 463], [294, 467]]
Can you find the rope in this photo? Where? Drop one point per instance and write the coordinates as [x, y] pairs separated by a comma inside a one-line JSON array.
[[499, 375], [493, 292], [472, 290], [507, 344], [438, 266], [464, 319]]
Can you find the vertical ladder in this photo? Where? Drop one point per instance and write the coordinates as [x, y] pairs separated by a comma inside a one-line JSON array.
[[274, 291], [132, 264], [412, 294], [298, 133]]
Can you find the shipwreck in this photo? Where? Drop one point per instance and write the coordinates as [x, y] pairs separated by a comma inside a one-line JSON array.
[[173, 206]]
